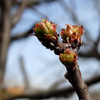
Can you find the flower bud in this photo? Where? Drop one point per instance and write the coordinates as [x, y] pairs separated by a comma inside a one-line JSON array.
[[45, 29], [68, 58], [71, 33]]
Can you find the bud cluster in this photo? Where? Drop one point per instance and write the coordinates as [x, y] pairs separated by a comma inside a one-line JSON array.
[[45, 31]]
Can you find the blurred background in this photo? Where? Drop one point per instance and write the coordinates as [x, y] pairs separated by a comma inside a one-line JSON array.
[[29, 71]]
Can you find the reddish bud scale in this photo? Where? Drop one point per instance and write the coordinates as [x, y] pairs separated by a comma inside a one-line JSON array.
[[72, 32], [45, 30], [31, 34], [68, 58]]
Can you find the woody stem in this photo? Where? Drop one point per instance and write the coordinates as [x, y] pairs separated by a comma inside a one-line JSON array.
[[74, 76]]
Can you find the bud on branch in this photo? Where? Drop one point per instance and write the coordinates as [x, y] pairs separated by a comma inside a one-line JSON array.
[[67, 50], [68, 58], [71, 33]]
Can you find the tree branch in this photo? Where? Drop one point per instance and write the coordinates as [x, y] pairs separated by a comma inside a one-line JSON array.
[[63, 92], [22, 35], [67, 51], [24, 73], [75, 78], [5, 38], [19, 13], [90, 54]]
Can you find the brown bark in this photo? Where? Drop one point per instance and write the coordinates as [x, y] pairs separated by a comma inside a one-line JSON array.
[[5, 38], [75, 78]]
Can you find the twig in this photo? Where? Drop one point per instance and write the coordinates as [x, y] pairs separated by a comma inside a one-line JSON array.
[[75, 78], [19, 13], [24, 73], [22, 35], [67, 50]]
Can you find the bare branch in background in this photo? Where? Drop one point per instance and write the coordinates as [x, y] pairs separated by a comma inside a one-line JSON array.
[[5, 38], [97, 5], [54, 86], [22, 35], [24, 73], [97, 41], [92, 53], [17, 17], [1, 17], [63, 92], [23, 5]]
